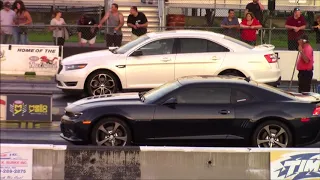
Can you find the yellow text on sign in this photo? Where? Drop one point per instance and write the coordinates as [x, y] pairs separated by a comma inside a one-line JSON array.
[[39, 108]]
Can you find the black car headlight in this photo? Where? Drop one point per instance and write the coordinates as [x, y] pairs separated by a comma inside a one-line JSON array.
[[73, 115], [75, 66]]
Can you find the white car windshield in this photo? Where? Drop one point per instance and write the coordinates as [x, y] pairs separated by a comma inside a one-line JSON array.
[[123, 49]]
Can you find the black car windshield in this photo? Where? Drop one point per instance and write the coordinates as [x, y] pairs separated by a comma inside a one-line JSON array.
[[123, 49], [156, 93]]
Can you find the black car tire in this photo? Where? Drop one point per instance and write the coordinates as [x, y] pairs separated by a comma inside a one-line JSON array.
[[111, 121], [88, 89], [272, 123]]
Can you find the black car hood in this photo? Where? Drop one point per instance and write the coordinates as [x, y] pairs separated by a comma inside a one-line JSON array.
[[112, 99]]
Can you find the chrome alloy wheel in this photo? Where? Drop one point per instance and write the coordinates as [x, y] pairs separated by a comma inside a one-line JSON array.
[[102, 84], [272, 136], [111, 134]]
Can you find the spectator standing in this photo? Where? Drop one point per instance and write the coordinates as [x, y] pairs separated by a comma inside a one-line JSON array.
[[22, 18], [115, 23], [138, 23], [316, 27], [231, 25], [295, 25], [6, 20], [87, 34], [58, 31], [305, 64], [249, 26], [256, 8]]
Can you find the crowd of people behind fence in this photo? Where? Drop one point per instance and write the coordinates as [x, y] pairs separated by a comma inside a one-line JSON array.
[[247, 29], [17, 16]]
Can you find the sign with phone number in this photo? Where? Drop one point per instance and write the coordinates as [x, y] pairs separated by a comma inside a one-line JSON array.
[[3, 171], [16, 163]]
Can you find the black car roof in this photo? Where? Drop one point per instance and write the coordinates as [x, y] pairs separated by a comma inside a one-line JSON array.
[[215, 79]]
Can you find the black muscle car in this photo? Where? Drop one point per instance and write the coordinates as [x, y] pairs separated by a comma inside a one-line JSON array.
[[194, 110]]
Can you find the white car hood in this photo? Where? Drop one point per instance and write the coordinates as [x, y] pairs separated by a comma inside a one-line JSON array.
[[85, 57], [264, 47]]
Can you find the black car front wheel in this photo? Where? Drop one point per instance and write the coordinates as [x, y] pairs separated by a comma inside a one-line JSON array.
[[272, 134], [111, 132]]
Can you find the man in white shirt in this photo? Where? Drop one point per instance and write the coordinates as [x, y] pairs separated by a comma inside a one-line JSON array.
[[6, 21]]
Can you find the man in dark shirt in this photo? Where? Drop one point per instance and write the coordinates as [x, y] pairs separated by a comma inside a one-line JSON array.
[[230, 25], [138, 22], [87, 34], [256, 8], [295, 25]]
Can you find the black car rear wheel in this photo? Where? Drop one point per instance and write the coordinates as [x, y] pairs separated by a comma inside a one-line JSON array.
[[272, 134], [111, 132]]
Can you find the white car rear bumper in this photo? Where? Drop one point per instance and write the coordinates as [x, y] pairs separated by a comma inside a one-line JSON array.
[[272, 77]]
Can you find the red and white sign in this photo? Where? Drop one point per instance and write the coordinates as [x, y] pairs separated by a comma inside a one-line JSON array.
[[16, 163], [43, 60], [3, 108]]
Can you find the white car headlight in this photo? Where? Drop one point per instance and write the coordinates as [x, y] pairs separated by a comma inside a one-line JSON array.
[[75, 66]]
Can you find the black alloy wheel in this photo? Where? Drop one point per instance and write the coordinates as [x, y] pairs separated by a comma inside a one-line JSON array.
[[272, 134], [111, 132]]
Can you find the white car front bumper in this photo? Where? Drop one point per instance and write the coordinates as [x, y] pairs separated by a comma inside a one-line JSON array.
[[71, 80]]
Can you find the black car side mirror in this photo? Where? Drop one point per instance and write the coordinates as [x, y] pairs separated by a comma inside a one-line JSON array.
[[171, 101], [137, 53]]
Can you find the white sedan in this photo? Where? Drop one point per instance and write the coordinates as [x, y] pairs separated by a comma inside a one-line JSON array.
[[156, 58]]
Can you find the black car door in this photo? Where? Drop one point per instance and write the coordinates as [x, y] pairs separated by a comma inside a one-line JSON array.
[[245, 106], [201, 112]]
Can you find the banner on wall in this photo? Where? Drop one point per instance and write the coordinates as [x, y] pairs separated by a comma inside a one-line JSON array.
[[29, 58], [16, 163], [29, 107], [3, 107], [295, 164]]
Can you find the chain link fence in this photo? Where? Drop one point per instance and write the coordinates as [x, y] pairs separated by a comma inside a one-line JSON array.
[[94, 36], [178, 16]]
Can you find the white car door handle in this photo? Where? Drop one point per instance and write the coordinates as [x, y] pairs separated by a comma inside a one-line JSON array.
[[165, 59], [215, 58]]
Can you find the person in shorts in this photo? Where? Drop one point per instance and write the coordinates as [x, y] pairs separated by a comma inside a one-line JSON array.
[[6, 20], [87, 34], [138, 23]]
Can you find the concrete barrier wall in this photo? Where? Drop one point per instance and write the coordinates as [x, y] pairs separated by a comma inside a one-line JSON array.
[[203, 163], [154, 163]]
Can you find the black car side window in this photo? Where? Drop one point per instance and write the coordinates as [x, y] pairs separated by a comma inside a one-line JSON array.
[[242, 97], [204, 96]]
